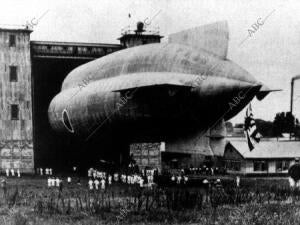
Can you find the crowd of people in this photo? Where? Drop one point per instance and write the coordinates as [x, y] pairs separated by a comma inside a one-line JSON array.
[[203, 177], [204, 170], [16, 172], [100, 180]]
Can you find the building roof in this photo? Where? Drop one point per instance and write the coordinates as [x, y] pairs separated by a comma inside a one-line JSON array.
[[75, 44], [268, 149], [15, 28]]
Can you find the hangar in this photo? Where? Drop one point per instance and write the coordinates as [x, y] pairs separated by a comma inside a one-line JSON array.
[[27, 140]]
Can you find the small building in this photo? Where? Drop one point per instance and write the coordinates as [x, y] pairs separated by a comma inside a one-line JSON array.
[[139, 36], [269, 157]]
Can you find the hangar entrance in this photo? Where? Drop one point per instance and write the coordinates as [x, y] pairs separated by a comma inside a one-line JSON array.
[[51, 63]]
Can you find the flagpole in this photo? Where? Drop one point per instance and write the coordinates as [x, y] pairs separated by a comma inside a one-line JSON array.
[[292, 96]]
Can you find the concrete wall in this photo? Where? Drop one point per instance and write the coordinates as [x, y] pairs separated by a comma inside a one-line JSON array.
[[16, 149], [147, 154]]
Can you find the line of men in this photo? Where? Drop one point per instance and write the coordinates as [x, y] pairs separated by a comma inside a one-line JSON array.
[[205, 170], [144, 179], [97, 178], [48, 171], [135, 179], [13, 172], [94, 184], [54, 182], [93, 173], [179, 179]]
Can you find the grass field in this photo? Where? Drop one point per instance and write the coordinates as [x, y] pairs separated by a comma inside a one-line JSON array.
[[257, 201]]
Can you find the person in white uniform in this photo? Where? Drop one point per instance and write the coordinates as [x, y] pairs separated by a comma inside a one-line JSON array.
[[116, 177], [49, 181], [185, 179], [91, 184], [109, 179], [96, 182], [141, 182], [12, 172], [57, 182], [238, 181], [173, 179], [103, 184], [7, 172], [178, 179]]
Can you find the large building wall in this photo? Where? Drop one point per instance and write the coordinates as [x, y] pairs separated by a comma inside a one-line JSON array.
[[16, 148]]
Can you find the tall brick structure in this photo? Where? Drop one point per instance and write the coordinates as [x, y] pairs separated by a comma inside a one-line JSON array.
[[16, 147]]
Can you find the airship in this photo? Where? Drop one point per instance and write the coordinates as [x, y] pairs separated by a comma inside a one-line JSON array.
[[167, 90]]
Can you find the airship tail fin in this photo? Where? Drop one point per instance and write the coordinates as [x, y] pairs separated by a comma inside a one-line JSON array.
[[212, 37]]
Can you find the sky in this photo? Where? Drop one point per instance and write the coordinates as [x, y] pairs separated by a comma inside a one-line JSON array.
[[271, 54]]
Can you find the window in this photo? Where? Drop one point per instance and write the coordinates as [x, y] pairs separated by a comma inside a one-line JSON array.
[[14, 112], [12, 40], [28, 104], [260, 166], [13, 77], [233, 165], [66, 121], [282, 165]]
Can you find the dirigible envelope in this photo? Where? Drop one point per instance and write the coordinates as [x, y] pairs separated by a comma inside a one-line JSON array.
[[188, 80]]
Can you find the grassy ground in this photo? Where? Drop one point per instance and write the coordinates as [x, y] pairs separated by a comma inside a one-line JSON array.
[[258, 201]]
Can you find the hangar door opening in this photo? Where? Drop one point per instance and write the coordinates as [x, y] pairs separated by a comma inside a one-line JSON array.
[[51, 63]]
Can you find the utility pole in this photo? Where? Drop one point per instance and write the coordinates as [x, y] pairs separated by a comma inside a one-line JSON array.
[[292, 94]]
